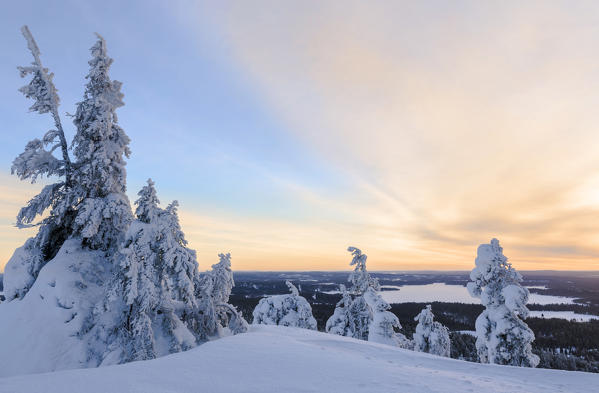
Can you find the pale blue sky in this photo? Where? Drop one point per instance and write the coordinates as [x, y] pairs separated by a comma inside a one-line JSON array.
[[290, 130]]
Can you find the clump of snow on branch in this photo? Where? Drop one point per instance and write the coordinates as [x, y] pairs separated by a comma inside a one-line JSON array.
[[285, 310], [502, 337]]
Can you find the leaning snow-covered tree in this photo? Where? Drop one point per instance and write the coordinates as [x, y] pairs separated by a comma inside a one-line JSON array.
[[157, 298], [431, 336], [100, 146], [285, 310], [37, 161], [382, 327], [354, 308], [502, 337], [360, 278]]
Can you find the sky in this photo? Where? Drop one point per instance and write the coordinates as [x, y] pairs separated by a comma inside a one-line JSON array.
[[291, 130]]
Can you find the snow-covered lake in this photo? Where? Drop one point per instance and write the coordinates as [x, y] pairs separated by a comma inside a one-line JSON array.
[[441, 292], [569, 315]]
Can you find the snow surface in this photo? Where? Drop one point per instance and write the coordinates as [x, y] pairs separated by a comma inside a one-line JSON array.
[[37, 333], [273, 359], [569, 315], [441, 292]]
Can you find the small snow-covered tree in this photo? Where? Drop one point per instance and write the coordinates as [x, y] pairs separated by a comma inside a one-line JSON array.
[[222, 277], [502, 337], [382, 327], [339, 322], [222, 284], [430, 336], [285, 310], [100, 146]]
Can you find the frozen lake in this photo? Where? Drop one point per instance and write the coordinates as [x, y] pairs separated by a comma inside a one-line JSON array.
[[440, 292], [569, 315]]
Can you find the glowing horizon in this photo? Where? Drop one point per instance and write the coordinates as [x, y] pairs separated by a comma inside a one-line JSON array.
[[290, 131]]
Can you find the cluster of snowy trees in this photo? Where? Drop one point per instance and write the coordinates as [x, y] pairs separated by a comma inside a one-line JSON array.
[[363, 314], [502, 335], [157, 301]]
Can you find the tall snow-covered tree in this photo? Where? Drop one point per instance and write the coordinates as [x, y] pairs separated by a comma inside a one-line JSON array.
[[285, 310], [156, 297], [502, 337], [100, 146], [360, 313], [339, 322], [430, 336], [38, 160]]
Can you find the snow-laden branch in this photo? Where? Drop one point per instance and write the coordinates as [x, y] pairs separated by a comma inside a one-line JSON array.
[[42, 90]]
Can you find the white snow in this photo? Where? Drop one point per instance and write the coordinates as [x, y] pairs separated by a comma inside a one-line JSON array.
[[441, 292], [37, 333], [273, 359], [569, 315]]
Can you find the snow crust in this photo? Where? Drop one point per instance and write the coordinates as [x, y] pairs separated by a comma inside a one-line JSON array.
[[273, 359]]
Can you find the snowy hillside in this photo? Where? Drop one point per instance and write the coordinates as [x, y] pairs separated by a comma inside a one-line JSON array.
[[281, 359]]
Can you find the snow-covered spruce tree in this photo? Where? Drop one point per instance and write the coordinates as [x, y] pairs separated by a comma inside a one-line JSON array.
[[360, 313], [100, 146], [222, 277], [285, 310], [155, 304], [339, 322], [501, 335], [381, 329], [430, 336], [37, 161], [222, 284]]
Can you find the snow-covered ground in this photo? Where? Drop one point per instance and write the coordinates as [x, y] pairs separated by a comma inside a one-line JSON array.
[[279, 359]]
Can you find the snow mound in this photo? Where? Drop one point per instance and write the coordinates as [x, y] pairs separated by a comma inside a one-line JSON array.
[[282, 359], [38, 332]]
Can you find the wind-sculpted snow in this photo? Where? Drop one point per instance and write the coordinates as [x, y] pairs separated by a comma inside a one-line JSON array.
[[274, 359], [39, 332]]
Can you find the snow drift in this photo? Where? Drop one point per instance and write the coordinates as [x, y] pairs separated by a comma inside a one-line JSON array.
[[282, 359]]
